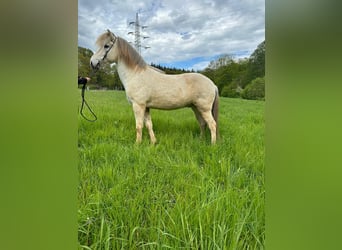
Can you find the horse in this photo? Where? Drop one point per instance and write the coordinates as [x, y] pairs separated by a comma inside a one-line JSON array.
[[148, 88]]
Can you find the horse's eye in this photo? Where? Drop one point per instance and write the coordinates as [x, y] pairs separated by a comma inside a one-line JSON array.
[[106, 46]]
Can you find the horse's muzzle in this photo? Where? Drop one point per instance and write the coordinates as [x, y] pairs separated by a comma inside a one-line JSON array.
[[94, 66]]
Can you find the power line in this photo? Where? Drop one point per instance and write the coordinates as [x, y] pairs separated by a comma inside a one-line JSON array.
[[137, 35]]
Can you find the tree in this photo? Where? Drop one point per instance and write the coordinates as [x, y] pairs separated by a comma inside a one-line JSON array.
[[231, 90], [233, 71], [256, 64], [223, 60], [233, 77], [84, 56], [255, 90]]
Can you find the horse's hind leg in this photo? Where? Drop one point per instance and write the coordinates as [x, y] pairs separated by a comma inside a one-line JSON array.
[[149, 125], [200, 120], [139, 112], [208, 117]]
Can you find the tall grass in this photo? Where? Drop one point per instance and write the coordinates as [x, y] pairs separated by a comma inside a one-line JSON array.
[[182, 193]]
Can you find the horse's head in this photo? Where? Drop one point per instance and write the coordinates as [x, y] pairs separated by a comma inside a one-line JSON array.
[[106, 43]]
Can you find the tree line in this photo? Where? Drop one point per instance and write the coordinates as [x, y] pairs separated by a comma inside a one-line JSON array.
[[243, 78], [239, 78]]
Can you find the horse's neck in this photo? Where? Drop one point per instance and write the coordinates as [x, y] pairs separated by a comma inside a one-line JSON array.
[[125, 73]]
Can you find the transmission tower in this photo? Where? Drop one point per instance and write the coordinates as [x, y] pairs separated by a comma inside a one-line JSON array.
[[136, 33]]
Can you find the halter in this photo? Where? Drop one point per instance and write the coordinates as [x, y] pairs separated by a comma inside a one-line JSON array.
[[113, 42]]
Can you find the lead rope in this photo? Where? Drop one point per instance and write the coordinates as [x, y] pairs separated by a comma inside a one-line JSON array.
[[85, 102]]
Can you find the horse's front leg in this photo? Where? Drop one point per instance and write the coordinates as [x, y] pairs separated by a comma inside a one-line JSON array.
[[149, 125], [139, 113]]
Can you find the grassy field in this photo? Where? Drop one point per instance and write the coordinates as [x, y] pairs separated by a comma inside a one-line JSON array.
[[182, 193]]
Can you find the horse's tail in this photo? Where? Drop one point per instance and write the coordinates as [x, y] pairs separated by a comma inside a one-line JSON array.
[[215, 111]]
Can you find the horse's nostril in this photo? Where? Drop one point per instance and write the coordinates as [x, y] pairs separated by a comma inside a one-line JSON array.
[[95, 66]]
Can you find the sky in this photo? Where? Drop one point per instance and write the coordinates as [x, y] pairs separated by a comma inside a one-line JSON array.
[[182, 33]]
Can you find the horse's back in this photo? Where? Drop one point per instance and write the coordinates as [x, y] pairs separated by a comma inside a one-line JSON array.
[[193, 82], [201, 87], [199, 81]]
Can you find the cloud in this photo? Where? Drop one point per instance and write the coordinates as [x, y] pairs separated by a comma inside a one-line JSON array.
[[199, 66], [178, 30]]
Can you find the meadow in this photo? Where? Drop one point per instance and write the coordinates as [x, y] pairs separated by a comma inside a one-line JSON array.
[[183, 192]]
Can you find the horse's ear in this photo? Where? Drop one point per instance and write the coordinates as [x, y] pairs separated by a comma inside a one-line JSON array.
[[111, 33]]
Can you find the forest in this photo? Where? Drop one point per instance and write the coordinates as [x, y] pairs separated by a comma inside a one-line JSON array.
[[242, 78]]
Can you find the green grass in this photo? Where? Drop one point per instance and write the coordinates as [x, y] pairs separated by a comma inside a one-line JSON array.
[[182, 193]]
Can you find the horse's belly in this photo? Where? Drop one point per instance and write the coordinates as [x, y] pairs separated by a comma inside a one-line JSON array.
[[168, 102]]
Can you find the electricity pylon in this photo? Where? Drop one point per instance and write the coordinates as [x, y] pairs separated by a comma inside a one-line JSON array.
[[136, 33]]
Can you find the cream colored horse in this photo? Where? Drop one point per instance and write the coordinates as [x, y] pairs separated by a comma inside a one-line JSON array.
[[148, 88]]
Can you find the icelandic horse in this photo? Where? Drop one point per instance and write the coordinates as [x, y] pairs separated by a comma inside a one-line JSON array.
[[146, 87]]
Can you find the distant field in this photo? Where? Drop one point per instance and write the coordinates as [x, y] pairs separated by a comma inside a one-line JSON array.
[[182, 193]]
